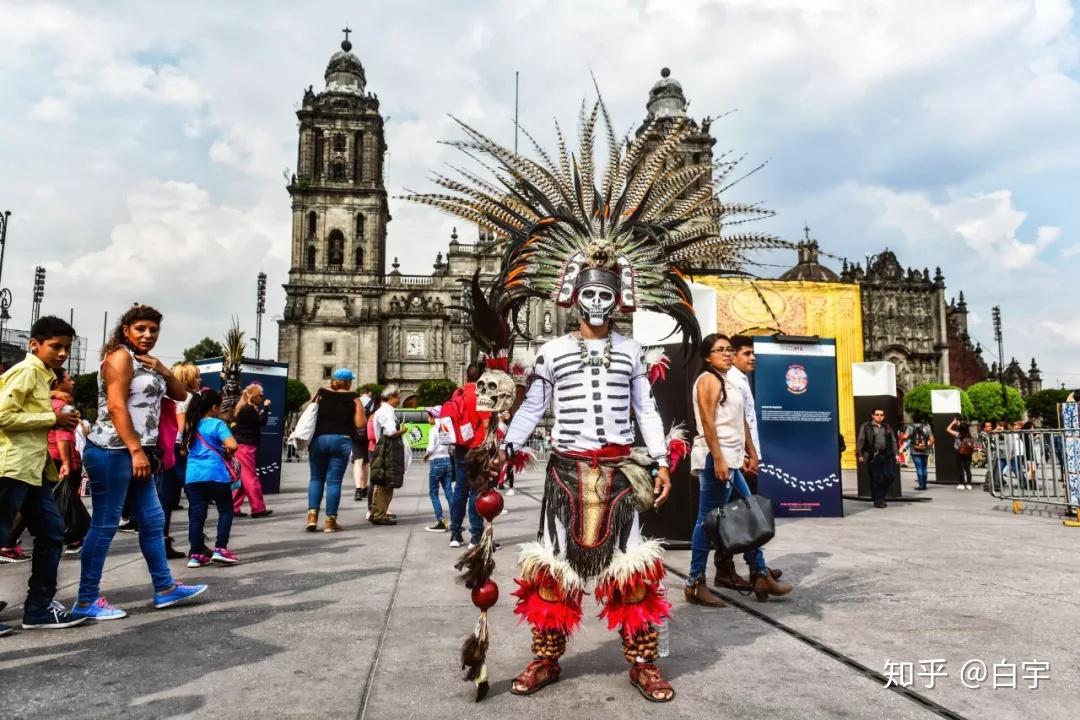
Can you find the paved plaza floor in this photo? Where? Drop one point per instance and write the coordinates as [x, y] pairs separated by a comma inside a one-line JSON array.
[[367, 623]]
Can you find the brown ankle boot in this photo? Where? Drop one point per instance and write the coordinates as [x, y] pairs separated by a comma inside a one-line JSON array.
[[727, 577], [312, 521], [331, 525], [700, 594], [765, 585]]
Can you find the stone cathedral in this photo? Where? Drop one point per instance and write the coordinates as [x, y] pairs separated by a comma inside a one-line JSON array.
[[348, 305]]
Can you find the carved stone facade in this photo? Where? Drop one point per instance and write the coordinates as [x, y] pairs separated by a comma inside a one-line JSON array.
[[1026, 382]]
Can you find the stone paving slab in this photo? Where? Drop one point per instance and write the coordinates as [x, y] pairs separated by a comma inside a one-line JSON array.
[[367, 623]]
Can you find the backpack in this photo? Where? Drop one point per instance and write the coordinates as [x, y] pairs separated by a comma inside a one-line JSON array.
[[456, 424], [919, 440]]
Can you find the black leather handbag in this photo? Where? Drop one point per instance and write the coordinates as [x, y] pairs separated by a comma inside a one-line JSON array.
[[743, 523]]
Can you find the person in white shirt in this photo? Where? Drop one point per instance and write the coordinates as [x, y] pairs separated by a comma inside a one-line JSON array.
[[722, 427], [743, 363], [440, 472], [389, 464]]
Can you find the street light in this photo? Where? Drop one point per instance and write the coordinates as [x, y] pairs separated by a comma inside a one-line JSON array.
[[5, 218], [996, 312], [39, 293], [260, 309]]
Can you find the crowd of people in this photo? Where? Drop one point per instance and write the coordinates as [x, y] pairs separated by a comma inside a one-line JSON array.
[[157, 436]]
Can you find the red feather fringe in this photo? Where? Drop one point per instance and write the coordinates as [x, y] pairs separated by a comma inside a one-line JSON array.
[[638, 616], [658, 370], [677, 450], [499, 362], [563, 615], [521, 460]]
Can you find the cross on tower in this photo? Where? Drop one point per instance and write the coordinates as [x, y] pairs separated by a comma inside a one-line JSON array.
[[346, 30]]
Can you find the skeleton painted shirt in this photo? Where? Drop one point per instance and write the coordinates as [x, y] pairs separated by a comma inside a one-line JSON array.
[[592, 403]]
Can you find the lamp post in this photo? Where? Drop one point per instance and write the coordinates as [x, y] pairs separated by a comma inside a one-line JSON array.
[[39, 293], [996, 312], [260, 309], [5, 294], [5, 218]]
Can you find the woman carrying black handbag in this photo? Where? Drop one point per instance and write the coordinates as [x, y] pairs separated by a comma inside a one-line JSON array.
[[723, 442]]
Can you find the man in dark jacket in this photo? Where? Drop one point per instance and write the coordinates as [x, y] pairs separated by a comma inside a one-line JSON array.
[[876, 446]]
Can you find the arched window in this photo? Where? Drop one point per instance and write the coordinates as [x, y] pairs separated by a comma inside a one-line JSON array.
[[319, 148], [310, 261], [359, 257], [337, 171], [339, 143], [312, 218], [359, 226], [335, 249], [358, 156]]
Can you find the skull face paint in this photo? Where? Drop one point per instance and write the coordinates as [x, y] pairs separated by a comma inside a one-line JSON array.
[[495, 392], [597, 303]]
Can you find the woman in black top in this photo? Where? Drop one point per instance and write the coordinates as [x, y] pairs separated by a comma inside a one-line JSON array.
[[964, 445], [248, 419], [340, 414]]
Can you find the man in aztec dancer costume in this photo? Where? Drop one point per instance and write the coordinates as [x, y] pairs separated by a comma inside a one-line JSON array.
[[607, 248]]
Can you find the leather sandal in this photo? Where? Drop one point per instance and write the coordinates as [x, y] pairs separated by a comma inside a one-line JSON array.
[[647, 679], [530, 676]]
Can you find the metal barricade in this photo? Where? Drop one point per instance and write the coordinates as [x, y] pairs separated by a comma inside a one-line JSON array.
[[1036, 466]]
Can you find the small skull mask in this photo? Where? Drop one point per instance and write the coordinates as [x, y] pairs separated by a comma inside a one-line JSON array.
[[495, 392], [597, 303]]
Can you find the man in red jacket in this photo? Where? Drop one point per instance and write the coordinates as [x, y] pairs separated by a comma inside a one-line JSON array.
[[463, 496]]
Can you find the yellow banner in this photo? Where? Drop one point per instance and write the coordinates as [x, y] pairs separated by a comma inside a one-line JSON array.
[[798, 307]]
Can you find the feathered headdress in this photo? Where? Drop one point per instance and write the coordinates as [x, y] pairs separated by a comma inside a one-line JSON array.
[[646, 219]]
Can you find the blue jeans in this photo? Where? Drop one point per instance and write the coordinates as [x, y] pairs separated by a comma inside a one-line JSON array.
[[200, 495], [110, 485], [46, 525], [328, 459], [463, 497], [440, 475], [715, 494], [920, 468]]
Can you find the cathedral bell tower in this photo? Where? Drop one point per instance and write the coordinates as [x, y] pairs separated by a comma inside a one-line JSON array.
[[339, 218]]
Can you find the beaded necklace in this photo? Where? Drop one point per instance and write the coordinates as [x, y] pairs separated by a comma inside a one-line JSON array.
[[588, 360]]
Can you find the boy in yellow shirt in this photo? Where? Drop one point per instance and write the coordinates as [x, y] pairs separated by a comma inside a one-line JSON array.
[[26, 416]]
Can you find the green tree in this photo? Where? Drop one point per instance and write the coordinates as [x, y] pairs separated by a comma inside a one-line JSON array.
[[296, 394], [986, 398], [435, 392], [917, 401], [85, 395], [1043, 405], [205, 348]]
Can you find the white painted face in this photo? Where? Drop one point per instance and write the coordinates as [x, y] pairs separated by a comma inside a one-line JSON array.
[[597, 302]]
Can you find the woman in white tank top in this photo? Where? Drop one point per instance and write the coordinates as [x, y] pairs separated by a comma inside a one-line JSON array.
[[724, 438], [119, 460]]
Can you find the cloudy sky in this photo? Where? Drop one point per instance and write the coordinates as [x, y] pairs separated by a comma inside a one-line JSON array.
[[143, 146]]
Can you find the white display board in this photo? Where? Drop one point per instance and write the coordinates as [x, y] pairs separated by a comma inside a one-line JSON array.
[[873, 379], [945, 402], [653, 328]]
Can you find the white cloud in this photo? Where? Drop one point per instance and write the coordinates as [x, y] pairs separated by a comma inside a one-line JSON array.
[[52, 110], [1064, 333], [987, 223]]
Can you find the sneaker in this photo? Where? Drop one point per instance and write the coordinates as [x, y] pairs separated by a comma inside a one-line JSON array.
[[5, 629], [128, 526], [368, 516], [471, 546], [197, 560], [73, 548], [505, 512], [99, 610], [959, 487], [178, 594], [172, 553], [455, 541], [14, 554], [358, 495], [437, 526], [224, 556], [53, 617], [509, 492], [264, 513]]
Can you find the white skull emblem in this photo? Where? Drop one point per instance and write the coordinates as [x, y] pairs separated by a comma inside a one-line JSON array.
[[597, 302], [495, 392]]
